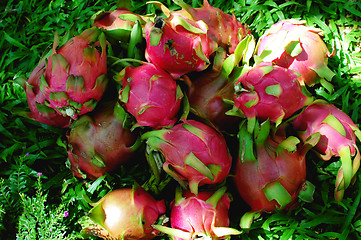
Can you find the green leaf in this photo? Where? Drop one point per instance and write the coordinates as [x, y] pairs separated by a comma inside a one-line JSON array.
[[13, 41]]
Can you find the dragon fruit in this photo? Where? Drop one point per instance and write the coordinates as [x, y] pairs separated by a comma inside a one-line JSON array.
[[98, 142], [192, 152], [36, 100], [269, 91], [178, 45], [117, 24], [75, 76], [299, 48], [150, 95], [207, 94], [223, 28], [338, 139], [128, 213], [270, 171], [273, 174], [210, 92], [202, 216]]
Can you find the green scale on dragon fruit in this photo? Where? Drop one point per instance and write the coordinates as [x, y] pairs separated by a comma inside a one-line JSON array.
[[201, 216]]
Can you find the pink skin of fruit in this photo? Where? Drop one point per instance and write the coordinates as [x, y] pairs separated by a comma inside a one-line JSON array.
[[270, 171], [183, 214], [223, 28], [175, 49], [286, 169], [75, 76], [118, 24], [193, 152], [206, 97], [300, 48], [338, 139], [269, 91], [36, 100], [98, 143], [201, 216], [116, 19], [195, 215], [150, 95], [128, 213]]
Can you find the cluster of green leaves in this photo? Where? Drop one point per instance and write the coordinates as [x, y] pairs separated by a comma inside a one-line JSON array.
[[33, 207], [37, 220]]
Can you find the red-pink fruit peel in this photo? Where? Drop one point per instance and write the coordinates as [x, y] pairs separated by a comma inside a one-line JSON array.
[[183, 44], [211, 220], [300, 48], [207, 94], [99, 143], [75, 76], [265, 92], [338, 139], [122, 25], [128, 213], [119, 19], [39, 111], [273, 177], [223, 28], [151, 95], [193, 152]]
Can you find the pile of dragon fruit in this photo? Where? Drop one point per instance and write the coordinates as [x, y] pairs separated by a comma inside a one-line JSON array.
[[207, 104]]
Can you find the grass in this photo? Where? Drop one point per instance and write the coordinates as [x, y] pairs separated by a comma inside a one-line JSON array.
[[39, 197]]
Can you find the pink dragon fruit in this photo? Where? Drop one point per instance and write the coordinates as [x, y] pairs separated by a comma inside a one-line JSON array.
[[271, 175], [202, 216], [268, 91], [118, 24], [150, 95], [128, 213], [98, 142], [338, 139], [75, 76], [178, 45], [193, 152], [299, 48], [36, 100], [223, 28]]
